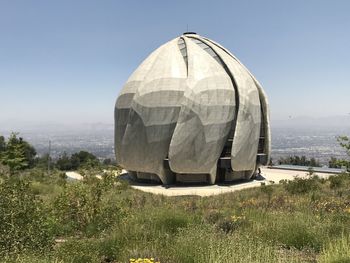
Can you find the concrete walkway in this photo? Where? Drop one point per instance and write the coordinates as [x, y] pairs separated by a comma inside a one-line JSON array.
[[270, 175], [74, 176]]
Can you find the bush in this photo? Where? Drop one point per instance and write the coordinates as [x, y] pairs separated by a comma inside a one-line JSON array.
[[77, 160], [338, 181], [82, 207], [23, 220], [301, 185]]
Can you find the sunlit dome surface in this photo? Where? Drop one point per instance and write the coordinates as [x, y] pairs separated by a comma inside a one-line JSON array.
[[192, 112]]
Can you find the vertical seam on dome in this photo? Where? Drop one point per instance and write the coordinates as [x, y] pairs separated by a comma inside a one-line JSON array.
[[185, 57], [234, 84], [261, 96]]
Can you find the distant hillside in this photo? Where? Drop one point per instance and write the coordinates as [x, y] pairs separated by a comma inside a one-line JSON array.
[[49, 127], [298, 122], [304, 122]]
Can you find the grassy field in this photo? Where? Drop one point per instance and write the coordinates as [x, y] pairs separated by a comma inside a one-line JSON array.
[[47, 219]]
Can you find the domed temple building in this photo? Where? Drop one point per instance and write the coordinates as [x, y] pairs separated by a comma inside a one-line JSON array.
[[192, 112]]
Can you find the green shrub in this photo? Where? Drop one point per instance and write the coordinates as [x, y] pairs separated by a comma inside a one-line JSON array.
[[301, 185], [23, 219], [339, 181], [335, 182], [82, 207]]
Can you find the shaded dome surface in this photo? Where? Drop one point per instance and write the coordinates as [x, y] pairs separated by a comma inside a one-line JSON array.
[[192, 110]]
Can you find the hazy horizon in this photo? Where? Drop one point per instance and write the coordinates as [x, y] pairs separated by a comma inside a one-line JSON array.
[[298, 136], [342, 123]]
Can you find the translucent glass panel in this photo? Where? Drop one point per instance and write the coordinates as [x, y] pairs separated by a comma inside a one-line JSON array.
[[207, 49], [182, 46]]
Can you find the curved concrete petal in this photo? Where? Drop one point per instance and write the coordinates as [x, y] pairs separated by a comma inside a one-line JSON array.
[[264, 105], [247, 130], [205, 118], [124, 100], [154, 112]]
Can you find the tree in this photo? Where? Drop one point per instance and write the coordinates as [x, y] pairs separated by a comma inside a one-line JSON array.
[[64, 162], [296, 160], [77, 160], [84, 158], [333, 163], [2, 144], [107, 161], [17, 154], [344, 142], [314, 163]]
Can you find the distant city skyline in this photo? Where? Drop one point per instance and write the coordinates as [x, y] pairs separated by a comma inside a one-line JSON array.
[[65, 62], [311, 141]]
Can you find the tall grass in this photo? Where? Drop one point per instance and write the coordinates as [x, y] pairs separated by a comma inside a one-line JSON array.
[[336, 251], [107, 221]]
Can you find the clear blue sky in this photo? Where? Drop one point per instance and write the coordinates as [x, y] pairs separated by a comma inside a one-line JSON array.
[[66, 61]]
